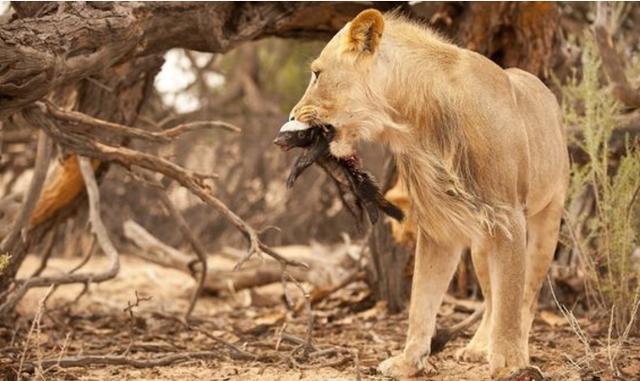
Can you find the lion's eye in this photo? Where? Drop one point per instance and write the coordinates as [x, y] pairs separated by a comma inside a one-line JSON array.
[[316, 74]]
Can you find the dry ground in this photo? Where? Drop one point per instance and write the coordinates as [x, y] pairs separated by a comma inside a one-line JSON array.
[[254, 321]]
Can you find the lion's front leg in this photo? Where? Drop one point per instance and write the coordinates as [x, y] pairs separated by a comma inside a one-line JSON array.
[[507, 352], [433, 270]]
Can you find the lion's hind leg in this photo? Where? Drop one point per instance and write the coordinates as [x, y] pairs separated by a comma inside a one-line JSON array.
[[542, 229]]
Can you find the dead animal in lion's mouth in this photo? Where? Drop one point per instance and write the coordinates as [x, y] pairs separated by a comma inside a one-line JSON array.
[[346, 173]]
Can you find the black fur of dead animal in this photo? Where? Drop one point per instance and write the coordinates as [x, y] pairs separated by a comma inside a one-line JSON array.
[[346, 173]]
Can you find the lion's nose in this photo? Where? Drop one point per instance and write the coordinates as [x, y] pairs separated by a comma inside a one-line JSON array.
[[291, 117]]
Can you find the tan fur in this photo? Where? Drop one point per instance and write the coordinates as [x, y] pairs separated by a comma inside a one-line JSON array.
[[365, 32], [483, 156], [404, 232]]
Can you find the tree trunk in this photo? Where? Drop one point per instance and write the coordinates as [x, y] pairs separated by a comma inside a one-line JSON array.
[[390, 274]]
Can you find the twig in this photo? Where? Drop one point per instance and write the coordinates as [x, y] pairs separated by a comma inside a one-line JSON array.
[[80, 361], [35, 326], [132, 321], [48, 250], [77, 267], [130, 306], [87, 257], [187, 233], [308, 344], [236, 352], [195, 244], [102, 239], [199, 125]]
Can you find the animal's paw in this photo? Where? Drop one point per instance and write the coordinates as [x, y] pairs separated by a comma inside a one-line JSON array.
[[401, 368], [472, 353], [530, 373], [506, 359]]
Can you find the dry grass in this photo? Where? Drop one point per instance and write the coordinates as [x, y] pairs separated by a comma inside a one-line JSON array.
[[604, 235]]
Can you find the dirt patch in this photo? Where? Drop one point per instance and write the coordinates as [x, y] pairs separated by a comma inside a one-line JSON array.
[[350, 336]]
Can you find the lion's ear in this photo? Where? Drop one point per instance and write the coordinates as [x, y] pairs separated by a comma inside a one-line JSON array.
[[365, 32]]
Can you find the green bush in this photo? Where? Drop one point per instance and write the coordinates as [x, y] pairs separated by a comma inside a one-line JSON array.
[[606, 236]]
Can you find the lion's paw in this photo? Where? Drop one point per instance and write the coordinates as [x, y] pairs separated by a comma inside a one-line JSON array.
[[472, 353], [530, 373], [400, 368], [506, 360]]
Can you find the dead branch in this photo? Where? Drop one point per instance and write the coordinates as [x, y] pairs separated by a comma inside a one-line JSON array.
[[85, 145], [83, 361], [122, 131], [18, 232], [195, 244], [319, 294], [187, 233], [193, 126], [236, 352], [102, 238], [611, 62], [47, 251], [14, 242], [155, 250], [255, 274], [308, 343]]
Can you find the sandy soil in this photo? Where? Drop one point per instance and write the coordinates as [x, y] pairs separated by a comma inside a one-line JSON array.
[[254, 321]]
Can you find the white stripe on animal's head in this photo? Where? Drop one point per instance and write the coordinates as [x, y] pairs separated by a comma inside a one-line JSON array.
[[294, 125]]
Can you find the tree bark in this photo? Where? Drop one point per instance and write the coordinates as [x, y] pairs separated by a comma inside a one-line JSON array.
[[522, 35], [389, 274], [80, 40]]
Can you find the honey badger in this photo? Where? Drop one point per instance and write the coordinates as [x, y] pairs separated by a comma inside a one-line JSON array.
[[360, 183]]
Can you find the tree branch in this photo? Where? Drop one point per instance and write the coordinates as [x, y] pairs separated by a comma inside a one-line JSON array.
[[166, 136], [611, 62], [83, 361], [43, 154], [102, 238], [127, 157], [38, 54]]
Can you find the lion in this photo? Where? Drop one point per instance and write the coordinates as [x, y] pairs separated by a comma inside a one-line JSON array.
[[482, 154]]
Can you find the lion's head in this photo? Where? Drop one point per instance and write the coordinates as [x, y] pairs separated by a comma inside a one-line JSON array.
[[340, 92]]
